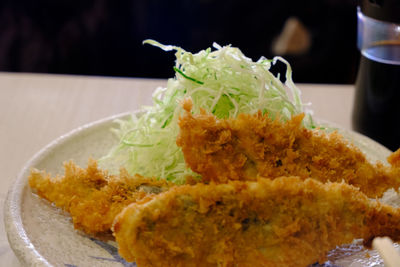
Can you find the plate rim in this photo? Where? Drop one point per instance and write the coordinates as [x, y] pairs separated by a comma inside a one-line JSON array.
[[18, 239]]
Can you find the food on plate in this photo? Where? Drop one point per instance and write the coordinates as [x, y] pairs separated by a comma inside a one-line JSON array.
[[282, 222], [92, 196], [238, 176], [223, 82], [254, 145]]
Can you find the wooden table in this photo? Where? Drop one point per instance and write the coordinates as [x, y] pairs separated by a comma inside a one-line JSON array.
[[37, 108]]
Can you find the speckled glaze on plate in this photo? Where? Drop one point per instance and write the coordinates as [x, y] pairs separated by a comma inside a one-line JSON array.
[[43, 235]]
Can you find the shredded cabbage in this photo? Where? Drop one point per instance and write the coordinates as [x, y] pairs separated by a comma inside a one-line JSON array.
[[222, 81]]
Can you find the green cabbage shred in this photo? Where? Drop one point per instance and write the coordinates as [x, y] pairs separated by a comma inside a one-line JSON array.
[[222, 81]]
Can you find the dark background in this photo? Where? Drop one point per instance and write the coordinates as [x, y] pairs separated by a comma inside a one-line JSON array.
[[104, 37]]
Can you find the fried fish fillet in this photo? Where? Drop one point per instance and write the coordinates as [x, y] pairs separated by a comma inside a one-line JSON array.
[[92, 196], [282, 222], [252, 146]]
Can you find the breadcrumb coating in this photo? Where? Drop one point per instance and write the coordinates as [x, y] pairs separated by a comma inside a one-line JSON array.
[[92, 196], [282, 222], [252, 146]]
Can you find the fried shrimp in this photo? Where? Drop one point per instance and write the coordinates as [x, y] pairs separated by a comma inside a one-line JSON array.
[[92, 196], [252, 146], [282, 222]]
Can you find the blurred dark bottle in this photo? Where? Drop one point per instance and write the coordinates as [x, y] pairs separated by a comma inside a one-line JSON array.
[[377, 101]]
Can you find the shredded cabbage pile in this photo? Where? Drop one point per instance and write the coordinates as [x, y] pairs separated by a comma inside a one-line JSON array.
[[222, 81]]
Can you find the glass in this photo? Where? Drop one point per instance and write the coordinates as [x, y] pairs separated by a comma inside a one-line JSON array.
[[377, 101]]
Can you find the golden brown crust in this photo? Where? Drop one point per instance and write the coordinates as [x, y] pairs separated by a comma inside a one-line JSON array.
[[280, 222], [92, 196], [254, 146]]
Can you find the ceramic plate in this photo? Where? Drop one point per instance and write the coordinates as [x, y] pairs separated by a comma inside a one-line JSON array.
[[43, 235]]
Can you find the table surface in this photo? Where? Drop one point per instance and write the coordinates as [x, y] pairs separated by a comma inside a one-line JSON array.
[[37, 108]]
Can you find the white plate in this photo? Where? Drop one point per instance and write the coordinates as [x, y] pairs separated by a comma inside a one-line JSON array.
[[42, 235]]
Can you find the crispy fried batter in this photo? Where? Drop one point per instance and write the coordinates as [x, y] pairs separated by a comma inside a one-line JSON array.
[[92, 196], [255, 145], [282, 222]]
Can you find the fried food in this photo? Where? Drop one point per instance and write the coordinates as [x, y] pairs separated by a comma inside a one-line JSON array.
[[92, 196], [252, 146], [282, 222]]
